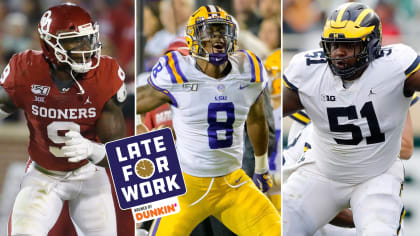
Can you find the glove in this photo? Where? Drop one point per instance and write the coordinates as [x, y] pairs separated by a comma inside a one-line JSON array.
[[78, 148], [263, 181], [261, 177]]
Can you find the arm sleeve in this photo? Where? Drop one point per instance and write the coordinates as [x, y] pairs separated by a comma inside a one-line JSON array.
[[9, 80], [407, 58], [115, 83], [258, 73], [164, 77], [414, 99], [293, 75]]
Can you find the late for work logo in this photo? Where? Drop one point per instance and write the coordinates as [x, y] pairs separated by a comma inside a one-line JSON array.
[[145, 169]]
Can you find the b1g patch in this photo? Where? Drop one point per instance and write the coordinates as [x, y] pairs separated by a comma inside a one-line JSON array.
[[146, 174]]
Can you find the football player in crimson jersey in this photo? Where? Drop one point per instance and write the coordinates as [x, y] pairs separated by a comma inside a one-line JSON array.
[[70, 95], [347, 89], [213, 92]]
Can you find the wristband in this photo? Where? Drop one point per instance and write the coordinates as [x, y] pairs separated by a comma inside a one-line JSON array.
[[138, 119], [261, 163], [98, 152]]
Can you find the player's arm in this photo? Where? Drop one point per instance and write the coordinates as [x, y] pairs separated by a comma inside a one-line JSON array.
[[258, 135], [149, 98], [344, 219], [412, 83], [257, 127], [140, 127], [6, 104], [110, 126], [407, 140], [291, 101]]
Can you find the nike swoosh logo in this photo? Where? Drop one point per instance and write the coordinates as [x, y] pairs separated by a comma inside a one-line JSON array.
[[236, 181], [218, 59], [244, 86]]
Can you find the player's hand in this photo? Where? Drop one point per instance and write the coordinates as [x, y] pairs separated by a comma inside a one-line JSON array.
[[263, 181], [78, 148]]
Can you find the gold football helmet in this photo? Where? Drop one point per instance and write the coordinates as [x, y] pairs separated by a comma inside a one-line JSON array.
[[214, 25], [355, 24]]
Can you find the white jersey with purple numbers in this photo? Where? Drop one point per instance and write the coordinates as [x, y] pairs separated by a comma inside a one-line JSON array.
[[356, 130], [209, 114]]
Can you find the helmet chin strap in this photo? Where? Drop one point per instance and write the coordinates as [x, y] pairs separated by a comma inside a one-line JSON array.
[[81, 90], [216, 59]]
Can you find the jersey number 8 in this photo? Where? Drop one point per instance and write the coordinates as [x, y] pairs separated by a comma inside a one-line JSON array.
[[217, 127]]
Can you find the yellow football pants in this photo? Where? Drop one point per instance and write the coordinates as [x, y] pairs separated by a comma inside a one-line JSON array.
[[276, 200], [233, 199]]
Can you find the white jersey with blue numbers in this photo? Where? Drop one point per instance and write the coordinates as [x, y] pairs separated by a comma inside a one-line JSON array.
[[209, 114], [357, 130]]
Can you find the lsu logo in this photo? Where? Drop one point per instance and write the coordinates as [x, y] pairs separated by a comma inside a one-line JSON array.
[[40, 90]]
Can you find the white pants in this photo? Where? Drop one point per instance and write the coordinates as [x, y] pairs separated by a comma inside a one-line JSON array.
[[331, 230], [311, 200], [43, 192]]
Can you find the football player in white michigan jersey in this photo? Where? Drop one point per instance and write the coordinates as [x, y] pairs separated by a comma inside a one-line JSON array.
[[357, 95], [213, 92]]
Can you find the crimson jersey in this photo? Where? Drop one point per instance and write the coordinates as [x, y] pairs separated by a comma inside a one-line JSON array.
[[159, 116], [51, 113]]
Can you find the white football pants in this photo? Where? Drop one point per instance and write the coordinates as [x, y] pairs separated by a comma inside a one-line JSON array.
[[43, 192], [311, 200]]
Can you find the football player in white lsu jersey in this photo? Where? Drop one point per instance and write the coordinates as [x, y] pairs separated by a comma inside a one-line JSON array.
[[357, 95], [213, 92]]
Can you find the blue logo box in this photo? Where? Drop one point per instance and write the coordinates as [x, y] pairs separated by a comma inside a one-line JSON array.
[[145, 168]]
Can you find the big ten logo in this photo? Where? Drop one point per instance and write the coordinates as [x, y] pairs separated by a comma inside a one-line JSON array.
[[145, 168], [328, 98]]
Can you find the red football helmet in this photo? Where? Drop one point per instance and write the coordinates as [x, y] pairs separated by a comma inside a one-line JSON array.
[[68, 35]]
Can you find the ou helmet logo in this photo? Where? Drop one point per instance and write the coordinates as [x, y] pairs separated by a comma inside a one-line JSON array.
[[46, 21]]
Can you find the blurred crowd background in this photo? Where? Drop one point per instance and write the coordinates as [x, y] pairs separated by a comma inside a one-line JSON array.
[[18, 32], [303, 21], [162, 21]]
